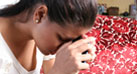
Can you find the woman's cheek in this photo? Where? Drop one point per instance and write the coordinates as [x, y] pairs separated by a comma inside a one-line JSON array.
[[49, 45]]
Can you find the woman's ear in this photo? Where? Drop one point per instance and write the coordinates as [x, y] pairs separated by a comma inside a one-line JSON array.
[[40, 13]]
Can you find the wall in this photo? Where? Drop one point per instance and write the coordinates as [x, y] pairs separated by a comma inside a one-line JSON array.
[[122, 4]]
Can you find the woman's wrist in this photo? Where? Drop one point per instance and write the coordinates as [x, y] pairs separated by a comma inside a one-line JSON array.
[[54, 71]]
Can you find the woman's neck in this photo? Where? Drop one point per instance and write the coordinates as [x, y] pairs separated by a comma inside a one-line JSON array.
[[13, 32]]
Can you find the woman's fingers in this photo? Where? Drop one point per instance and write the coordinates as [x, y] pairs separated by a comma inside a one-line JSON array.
[[83, 48], [83, 66], [70, 55], [86, 47], [92, 51], [64, 46], [86, 57], [83, 41]]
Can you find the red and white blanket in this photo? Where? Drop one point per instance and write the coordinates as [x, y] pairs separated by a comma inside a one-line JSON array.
[[116, 45]]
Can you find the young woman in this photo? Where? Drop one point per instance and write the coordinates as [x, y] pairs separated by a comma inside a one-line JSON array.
[[33, 26]]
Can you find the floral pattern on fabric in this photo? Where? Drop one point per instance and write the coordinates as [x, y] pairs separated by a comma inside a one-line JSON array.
[[116, 45]]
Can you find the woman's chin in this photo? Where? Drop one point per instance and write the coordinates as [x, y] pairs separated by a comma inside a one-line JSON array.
[[52, 53], [48, 53]]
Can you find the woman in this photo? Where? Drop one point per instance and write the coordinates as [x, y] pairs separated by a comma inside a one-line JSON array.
[[48, 26]]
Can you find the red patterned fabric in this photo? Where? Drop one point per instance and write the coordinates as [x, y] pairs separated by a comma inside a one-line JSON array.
[[116, 45]]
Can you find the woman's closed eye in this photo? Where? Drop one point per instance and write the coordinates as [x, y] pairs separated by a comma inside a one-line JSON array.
[[64, 40]]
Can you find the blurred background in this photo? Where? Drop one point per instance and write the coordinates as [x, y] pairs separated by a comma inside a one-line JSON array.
[[125, 8]]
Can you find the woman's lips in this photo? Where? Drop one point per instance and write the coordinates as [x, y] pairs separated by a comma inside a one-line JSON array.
[[53, 51]]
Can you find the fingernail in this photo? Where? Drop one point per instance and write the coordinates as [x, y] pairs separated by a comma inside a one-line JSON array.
[[92, 38]]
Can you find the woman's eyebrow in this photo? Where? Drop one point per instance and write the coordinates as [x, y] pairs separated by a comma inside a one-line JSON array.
[[67, 40], [64, 39]]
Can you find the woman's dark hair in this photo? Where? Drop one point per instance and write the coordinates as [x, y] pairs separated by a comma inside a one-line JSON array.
[[81, 12]]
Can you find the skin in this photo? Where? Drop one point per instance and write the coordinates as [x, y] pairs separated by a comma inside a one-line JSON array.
[[23, 37], [47, 65]]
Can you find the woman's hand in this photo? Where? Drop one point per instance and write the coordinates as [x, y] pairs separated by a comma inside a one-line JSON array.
[[69, 57]]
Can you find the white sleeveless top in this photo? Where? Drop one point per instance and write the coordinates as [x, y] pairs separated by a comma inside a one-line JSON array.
[[10, 65]]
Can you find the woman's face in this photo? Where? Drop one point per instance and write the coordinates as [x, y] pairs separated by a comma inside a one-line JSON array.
[[50, 36]]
